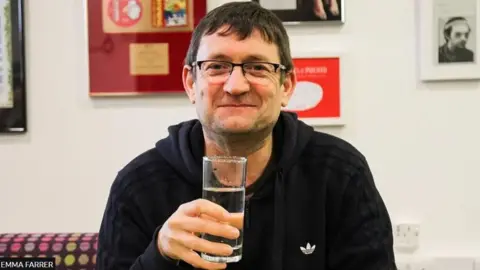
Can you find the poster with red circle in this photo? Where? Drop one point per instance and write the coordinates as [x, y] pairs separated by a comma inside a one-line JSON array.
[[317, 95], [125, 13]]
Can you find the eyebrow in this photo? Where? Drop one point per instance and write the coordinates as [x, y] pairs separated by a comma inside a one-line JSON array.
[[252, 57]]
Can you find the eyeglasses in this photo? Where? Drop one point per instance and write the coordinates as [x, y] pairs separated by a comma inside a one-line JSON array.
[[217, 72]]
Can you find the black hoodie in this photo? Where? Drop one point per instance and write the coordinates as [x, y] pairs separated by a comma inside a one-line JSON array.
[[315, 206]]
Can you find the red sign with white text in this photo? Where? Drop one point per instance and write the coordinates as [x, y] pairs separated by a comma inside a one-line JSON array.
[[317, 94]]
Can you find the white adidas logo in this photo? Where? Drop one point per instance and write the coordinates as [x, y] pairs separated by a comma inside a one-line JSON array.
[[308, 249]]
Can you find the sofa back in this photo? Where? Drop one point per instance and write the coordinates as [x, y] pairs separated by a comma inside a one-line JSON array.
[[70, 250]]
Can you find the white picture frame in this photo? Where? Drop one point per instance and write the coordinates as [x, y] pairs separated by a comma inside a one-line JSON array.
[[436, 61], [343, 96]]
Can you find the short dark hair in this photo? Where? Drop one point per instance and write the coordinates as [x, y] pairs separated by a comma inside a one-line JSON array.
[[242, 18]]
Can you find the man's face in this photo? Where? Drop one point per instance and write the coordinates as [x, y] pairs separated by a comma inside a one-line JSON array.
[[240, 103], [459, 35]]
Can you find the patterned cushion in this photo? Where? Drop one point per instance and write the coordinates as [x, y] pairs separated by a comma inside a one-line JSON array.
[[71, 250]]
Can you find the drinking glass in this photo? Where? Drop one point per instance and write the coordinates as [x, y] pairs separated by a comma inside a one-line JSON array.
[[224, 180]]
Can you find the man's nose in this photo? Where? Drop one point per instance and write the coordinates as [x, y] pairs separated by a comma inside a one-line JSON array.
[[236, 83]]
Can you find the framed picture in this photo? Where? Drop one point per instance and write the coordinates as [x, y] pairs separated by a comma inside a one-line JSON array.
[[302, 11], [137, 47], [13, 117], [318, 98], [448, 39]]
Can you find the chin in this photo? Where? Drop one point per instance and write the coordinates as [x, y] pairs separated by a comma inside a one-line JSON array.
[[235, 124]]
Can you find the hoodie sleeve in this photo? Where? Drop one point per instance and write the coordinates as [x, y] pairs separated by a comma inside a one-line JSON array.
[[124, 242], [362, 236]]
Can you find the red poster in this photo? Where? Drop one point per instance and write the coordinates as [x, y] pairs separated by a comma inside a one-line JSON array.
[[138, 46], [317, 94]]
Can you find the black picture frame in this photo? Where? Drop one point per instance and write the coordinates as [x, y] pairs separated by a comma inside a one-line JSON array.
[[13, 112], [304, 13]]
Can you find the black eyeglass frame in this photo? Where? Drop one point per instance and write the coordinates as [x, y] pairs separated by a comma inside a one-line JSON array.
[[276, 66]]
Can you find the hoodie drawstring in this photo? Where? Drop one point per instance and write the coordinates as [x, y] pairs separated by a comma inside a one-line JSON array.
[[279, 222]]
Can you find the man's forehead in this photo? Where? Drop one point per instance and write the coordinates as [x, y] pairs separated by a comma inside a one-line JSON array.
[[228, 45], [231, 31], [234, 36], [460, 27], [248, 56]]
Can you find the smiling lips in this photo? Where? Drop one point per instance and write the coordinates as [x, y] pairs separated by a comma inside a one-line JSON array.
[[237, 105]]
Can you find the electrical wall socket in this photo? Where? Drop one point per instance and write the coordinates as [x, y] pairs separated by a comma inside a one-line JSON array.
[[406, 237], [415, 264], [423, 265]]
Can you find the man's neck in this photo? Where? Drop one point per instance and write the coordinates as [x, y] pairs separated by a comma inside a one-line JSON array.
[[256, 150]]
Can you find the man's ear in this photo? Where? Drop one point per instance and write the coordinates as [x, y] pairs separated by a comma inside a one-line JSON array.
[[188, 82], [288, 86]]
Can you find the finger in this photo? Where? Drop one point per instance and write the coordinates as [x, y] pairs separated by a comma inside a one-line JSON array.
[[236, 220], [205, 225], [194, 259], [198, 244], [202, 206]]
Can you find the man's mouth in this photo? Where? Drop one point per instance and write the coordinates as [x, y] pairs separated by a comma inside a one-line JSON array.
[[236, 105]]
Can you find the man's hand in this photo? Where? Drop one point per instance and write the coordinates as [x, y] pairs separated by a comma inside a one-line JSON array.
[[178, 238]]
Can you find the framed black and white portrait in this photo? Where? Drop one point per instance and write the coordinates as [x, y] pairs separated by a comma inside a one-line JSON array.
[[303, 11], [456, 39], [448, 39]]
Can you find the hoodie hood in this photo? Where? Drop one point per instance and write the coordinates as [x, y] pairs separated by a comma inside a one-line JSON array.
[[183, 149]]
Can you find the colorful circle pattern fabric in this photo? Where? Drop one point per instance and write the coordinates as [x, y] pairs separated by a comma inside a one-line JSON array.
[[71, 250]]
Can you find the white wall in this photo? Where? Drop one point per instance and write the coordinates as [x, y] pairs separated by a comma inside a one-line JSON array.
[[421, 140]]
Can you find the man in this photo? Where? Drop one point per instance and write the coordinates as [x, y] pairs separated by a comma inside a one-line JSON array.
[[456, 33], [312, 202]]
